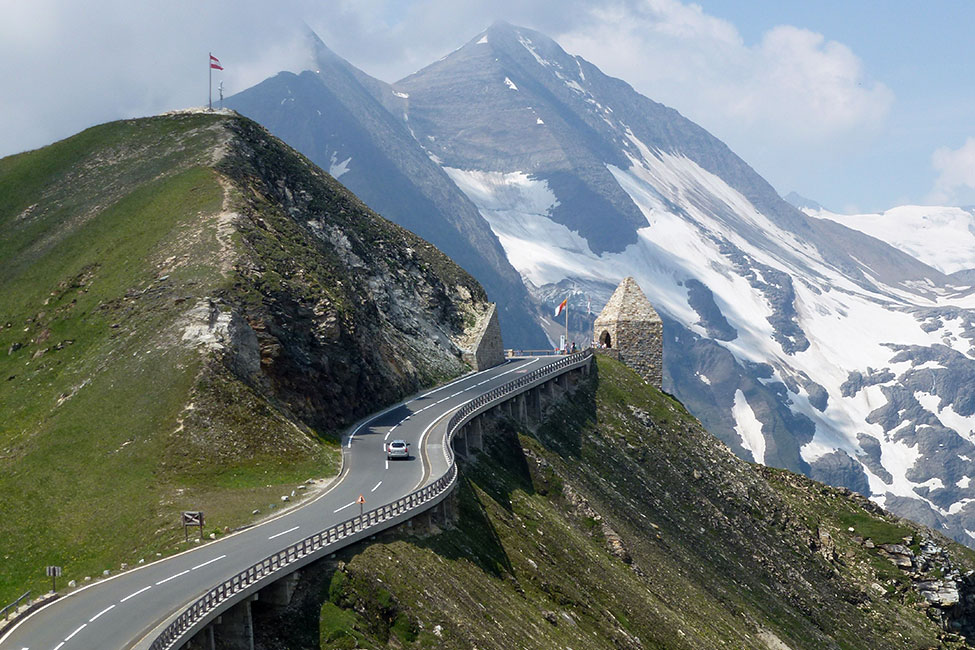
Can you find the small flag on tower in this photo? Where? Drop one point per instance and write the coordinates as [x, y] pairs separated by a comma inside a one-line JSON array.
[[215, 63], [561, 307]]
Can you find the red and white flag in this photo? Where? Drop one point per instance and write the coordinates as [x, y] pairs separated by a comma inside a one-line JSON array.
[[561, 307], [215, 63]]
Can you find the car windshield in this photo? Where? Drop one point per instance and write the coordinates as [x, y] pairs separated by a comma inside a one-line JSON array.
[[398, 444]]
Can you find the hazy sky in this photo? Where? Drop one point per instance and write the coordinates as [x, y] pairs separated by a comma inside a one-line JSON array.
[[858, 104]]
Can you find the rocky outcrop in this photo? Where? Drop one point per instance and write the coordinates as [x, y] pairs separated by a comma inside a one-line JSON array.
[[948, 593]]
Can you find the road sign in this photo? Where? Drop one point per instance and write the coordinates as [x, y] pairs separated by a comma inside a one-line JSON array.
[[54, 572], [192, 518], [361, 501]]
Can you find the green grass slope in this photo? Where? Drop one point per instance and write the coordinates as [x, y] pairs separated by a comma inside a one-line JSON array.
[[189, 312], [621, 523]]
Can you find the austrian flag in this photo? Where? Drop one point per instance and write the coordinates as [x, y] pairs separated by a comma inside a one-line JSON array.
[[561, 307], [215, 63]]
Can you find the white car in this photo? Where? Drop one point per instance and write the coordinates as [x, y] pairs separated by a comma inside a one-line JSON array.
[[398, 449]]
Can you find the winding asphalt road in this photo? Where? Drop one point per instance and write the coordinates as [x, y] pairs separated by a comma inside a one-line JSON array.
[[121, 611]]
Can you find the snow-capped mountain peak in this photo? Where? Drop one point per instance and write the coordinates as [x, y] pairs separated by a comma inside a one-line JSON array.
[[799, 341]]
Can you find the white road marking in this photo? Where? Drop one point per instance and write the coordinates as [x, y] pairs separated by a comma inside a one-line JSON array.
[[387, 463], [146, 588], [347, 504], [58, 646], [377, 486], [95, 617], [457, 393], [442, 401], [69, 637], [437, 390], [200, 566], [284, 532], [181, 573]]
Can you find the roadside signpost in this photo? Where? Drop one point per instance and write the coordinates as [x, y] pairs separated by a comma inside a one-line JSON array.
[[54, 572], [192, 518], [361, 501]]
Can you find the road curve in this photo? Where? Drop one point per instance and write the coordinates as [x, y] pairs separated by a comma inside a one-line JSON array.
[[121, 611]]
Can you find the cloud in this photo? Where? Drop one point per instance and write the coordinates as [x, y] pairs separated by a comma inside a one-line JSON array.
[[955, 184], [68, 65], [792, 88]]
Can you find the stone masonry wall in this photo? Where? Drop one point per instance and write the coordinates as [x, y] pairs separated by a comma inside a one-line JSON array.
[[488, 349], [640, 346]]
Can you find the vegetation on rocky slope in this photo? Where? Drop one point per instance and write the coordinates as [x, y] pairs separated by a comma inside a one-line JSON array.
[[190, 313], [621, 523]]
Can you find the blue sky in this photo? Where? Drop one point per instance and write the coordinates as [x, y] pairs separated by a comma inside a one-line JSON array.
[[860, 105], [923, 52]]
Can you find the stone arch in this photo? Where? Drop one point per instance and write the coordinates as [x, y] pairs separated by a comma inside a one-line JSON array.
[[606, 339]]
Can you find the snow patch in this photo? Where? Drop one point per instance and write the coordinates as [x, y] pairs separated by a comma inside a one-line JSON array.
[[941, 237], [748, 427], [335, 168], [401, 95], [483, 40], [539, 121], [510, 84]]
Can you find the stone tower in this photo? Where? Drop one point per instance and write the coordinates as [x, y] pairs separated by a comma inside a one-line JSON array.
[[629, 326]]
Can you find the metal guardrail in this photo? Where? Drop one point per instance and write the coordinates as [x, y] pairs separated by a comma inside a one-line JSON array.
[[13, 606], [314, 544]]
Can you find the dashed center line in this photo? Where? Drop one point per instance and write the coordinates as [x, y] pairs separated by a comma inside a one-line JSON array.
[[284, 532], [146, 588], [349, 504], [200, 566], [69, 637], [95, 617], [181, 573], [377, 486], [58, 646]]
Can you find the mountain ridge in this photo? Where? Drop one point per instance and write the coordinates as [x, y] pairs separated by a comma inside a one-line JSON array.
[[770, 316]]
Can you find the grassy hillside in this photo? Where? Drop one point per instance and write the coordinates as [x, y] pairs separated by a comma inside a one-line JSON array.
[[188, 312], [621, 523]]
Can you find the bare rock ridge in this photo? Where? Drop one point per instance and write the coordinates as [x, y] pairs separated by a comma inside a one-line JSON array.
[[352, 125]]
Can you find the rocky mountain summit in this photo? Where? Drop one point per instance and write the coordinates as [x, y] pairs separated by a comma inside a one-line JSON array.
[[772, 317], [190, 313]]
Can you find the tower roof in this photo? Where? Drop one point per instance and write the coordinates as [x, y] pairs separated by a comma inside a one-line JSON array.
[[628, 304]]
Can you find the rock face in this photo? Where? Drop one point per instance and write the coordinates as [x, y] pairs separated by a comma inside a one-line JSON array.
[[630, 325]]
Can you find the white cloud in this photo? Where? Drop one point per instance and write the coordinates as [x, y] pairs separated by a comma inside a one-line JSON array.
[[793, 88], [955, 184], [68, 65]]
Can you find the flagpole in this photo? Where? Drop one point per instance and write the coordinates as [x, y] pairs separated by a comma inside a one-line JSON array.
[[567, 325], [210, 86]]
